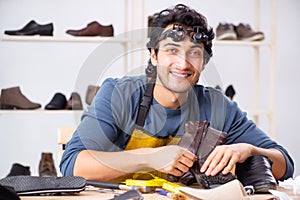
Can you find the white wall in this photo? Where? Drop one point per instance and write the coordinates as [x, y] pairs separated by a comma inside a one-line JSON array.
[[44, 68]]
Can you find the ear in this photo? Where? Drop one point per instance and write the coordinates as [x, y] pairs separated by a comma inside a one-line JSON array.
[[153, 57]]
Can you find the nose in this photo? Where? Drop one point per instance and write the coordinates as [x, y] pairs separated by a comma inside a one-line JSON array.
[[182, 61]]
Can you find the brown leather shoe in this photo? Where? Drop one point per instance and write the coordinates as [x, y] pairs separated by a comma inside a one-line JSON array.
[[201, 139], [93, 29], [74, 103], [12, 98], [46, 165], [90, 93]]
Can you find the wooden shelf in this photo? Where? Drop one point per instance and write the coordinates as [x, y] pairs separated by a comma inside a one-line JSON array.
[[85, 39], [240, 43], [41, 111]]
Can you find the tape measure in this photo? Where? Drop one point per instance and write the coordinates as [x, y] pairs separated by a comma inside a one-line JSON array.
[[154, 182]]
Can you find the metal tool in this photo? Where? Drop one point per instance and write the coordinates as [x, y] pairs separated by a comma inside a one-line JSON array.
[[121, 186]]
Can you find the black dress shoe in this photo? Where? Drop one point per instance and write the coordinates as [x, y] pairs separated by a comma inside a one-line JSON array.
[[256, 171], [33, 28], [58, 102]]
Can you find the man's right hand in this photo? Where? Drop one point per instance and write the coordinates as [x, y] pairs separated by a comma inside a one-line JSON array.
[[171, 159]]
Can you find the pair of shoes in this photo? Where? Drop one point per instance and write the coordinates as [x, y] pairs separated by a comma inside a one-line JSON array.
[[46, 165], [93, 29], [33, 28], [243, 31], [91, 93], [12, 98], [18, 169], [256, 171], [201, 139], [59, 102]]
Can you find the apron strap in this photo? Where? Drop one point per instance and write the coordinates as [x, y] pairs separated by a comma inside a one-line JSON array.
[[145, 104]]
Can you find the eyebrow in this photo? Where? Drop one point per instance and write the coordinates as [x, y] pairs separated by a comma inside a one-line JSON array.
[[171, 44], [177, 45]]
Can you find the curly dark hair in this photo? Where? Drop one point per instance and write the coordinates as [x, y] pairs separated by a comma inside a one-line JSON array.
[[181, 14]]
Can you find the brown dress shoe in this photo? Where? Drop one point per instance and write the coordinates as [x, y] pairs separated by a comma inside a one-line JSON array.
[[12, 98], [93, 29], [46, 165], [74, 103]]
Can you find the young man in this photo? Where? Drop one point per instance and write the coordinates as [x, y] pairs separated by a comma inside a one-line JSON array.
[[135, 122]]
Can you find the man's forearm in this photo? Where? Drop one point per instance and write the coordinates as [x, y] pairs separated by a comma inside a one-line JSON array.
[[105, 166], [279, 162]]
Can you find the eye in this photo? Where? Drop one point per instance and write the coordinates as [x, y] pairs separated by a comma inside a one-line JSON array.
[[195, 53], [172, 50]]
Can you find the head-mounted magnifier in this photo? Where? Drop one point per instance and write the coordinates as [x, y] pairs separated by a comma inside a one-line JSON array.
[[178, 33]]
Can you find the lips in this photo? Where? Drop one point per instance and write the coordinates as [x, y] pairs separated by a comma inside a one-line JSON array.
[[180, 74]]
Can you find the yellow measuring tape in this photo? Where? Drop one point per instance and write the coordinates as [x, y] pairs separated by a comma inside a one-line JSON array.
[[154, 182]]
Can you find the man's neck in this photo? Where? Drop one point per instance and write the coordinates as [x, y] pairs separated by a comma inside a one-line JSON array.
[[169, 99]]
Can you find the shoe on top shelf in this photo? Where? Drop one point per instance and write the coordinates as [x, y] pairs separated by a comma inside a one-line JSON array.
[[225, 31], [93, 29], [245, 32], [33, 28]]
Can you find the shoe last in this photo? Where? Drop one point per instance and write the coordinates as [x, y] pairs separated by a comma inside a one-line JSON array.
[[58, 102], [12, 98], [74, 102]]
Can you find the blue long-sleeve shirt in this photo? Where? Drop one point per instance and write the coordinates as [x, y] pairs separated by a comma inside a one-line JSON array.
[[110, 119]]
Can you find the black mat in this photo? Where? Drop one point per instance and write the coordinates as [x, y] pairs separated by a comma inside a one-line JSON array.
[[25, 185]]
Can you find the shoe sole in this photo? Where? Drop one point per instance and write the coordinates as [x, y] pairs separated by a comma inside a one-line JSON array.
[[8, 107], [264, 188], [24, 185], [227, 36], [257, 37]]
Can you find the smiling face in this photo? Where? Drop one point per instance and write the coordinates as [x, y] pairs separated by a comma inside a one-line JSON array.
[[179, 64]]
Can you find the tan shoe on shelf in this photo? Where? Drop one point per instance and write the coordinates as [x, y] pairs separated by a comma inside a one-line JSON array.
[[12, 98]]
